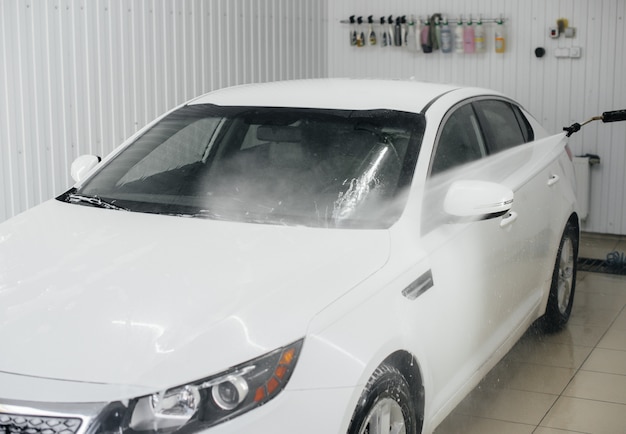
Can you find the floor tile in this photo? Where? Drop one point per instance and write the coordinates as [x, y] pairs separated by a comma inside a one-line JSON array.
[[614, 339], [601, 301], [529, 377], [608, 361], [544, 430], [507, 405], [598, 386], [620, 321], [461, 424], [576, 335], [584, 316], [603, 283], [583, 415], [541, 353]]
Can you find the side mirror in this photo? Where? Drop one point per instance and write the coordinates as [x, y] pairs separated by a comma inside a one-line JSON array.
[[477, 199], [82, 165]]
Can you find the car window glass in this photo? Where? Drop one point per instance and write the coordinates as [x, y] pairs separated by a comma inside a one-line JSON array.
[[182, 148], [288, 166], [460, 141], [500, 125], [527, 130]]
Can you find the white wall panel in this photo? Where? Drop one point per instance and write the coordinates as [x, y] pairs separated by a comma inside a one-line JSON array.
[[557, 91], [80, 76]]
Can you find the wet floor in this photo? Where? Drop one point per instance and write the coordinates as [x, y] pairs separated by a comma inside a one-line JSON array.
[[570, 382]]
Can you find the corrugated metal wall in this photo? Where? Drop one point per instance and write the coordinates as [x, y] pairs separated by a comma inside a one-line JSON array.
[[557, 91], [80, 76]]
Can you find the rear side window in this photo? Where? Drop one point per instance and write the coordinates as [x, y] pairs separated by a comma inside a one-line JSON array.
[[527, 130], [501, 125]]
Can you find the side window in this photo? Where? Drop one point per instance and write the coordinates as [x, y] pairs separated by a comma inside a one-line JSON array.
[[527, 130], [500, 125], [460, 141]]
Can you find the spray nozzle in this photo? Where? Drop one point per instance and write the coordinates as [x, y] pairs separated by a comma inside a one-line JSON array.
[[382, 20], [359, 20], [352, 19], [370, 19]]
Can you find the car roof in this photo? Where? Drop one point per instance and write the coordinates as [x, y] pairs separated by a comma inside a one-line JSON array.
[[333, 93]]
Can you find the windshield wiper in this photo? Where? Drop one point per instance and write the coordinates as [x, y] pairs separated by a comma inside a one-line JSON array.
[[94, 200]]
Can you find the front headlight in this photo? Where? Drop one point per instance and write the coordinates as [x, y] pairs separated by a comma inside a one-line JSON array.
[[203, 403]]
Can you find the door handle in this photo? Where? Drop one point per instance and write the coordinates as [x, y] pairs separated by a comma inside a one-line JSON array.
[[508, 219], [553, 180]]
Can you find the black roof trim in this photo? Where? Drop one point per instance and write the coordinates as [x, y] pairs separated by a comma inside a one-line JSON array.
[[431, 102]]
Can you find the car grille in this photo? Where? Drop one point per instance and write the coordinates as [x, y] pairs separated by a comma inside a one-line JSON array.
[[21, 424]]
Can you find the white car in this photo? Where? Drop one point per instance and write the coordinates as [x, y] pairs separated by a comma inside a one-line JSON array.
[[316, 256]]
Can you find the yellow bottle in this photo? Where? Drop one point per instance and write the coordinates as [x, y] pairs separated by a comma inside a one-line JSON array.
[[500, 36]]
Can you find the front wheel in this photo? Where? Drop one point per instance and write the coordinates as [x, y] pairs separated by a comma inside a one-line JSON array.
[[561, 298], [385, 406]]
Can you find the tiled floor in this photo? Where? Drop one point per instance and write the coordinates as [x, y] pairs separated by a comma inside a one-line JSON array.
[[570, 382]]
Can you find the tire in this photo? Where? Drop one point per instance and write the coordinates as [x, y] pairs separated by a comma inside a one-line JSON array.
[[385, 406], [561, 298]]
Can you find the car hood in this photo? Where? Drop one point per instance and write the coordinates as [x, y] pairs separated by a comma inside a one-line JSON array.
[[114, 297]]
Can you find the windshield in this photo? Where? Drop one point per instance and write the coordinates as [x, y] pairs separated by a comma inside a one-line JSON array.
[[321, 168]]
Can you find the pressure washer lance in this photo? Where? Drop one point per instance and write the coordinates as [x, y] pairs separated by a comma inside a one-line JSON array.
[[612, 116]]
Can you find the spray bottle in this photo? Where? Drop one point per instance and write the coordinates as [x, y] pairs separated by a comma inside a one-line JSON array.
[[427, 46], [405, 30], [458, 36], [383, 33], [500, 36], [446, 37], [371, 34], [397, 33], [468, 37], [360, 37], [352, 31], [411, 40], [390, 30], [437, 41], [479, 36]]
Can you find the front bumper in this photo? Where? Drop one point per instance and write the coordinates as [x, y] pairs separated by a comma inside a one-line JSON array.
[[303, 411]]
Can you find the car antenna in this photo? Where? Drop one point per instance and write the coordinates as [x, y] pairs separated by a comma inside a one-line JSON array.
[[612, 116]]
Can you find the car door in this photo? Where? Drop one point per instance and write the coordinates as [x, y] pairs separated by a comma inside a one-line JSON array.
[[474, 262], [532, 175]]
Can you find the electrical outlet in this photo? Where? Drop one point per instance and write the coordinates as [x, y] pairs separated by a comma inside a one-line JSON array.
[[561, 52]]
